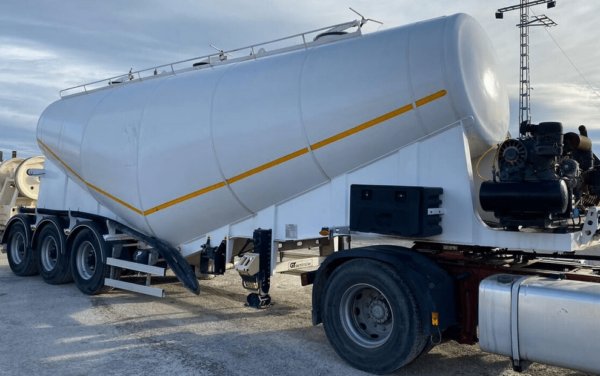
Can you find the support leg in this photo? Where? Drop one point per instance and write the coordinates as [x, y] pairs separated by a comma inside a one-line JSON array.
[[261, 280]]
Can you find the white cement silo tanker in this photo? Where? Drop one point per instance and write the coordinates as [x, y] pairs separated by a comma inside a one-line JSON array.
[[180, 156], [246, 158]]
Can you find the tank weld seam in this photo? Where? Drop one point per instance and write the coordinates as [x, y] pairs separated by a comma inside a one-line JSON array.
[[276, 162], [268, 165]]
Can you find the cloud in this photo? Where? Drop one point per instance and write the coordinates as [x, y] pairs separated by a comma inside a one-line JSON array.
[[22, 53], [47, 46], [31, 75], [569, 103], [14, 136]]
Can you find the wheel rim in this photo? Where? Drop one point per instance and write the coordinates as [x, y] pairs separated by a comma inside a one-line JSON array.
[[86, 260], [49, 253], [366, 315], [18, 245]]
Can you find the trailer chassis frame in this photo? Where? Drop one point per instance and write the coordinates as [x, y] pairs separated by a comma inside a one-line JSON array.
[[469, 265]]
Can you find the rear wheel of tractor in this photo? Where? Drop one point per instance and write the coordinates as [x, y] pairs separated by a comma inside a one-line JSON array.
[[88, 261], [371, 317], [21, 258], [52, 255]]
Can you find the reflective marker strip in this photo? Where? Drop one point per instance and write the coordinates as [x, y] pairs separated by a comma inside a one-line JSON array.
[[317, 145]]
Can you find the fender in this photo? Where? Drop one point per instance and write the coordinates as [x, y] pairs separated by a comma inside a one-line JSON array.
[[49, 221], [80, 226], [27, 221], [434, 287]]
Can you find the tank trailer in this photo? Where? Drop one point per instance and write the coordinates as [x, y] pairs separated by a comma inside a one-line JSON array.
[[272, 159]]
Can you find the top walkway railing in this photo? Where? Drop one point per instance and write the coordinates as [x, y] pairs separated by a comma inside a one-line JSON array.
[[254, 51]]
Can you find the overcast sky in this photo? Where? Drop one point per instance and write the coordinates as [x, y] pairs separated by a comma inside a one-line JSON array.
[[48, 45]]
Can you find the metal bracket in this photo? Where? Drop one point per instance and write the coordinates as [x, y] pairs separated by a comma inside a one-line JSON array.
[[339, 231], [436, 211], [248, 264], [590, 226], [212, 259], [36, 172], [118, 238], [136, 266], [514, 324], [152, 291], [303, 263]]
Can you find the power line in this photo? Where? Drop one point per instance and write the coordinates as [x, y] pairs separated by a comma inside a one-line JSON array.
[[583, 77]]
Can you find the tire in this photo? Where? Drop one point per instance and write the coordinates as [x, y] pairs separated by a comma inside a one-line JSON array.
[[21, 258], [52, 255], [371, 317], [88, 260]]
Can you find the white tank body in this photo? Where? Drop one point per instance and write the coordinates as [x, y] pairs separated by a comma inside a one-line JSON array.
[[178, 156]]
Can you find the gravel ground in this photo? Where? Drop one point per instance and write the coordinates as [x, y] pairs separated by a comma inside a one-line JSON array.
[[56, 330]]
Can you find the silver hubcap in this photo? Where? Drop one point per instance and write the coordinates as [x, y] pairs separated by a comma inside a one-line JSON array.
[[366, 315], [18, 247], [86, 260], [49, 253]]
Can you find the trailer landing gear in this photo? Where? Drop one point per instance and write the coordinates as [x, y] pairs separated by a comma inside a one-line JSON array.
[[255, 270]]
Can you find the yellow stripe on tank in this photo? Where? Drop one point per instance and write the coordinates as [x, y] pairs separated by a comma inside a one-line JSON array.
[[268, 165], [88, 184], [256, 170], [362, 127], [430, 98], [181, 199]]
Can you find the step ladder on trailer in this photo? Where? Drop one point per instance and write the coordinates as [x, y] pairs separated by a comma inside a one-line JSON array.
[[120, 241]]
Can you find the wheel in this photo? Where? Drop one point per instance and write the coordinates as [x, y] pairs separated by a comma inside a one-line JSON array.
[[21, 258], [88, 261], [371, 317], [53, 258], [256, 301]]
